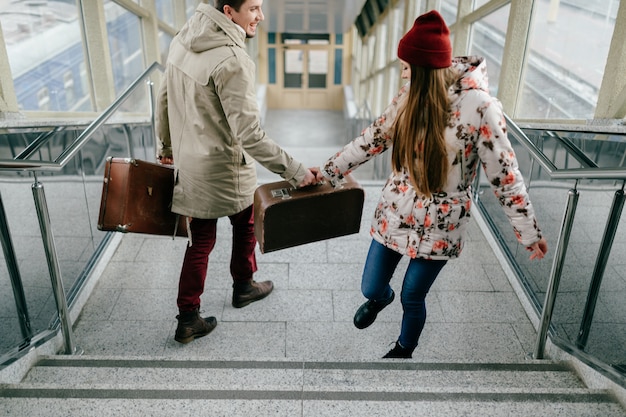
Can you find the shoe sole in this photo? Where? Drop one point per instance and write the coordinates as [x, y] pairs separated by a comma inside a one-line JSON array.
[[189, 339], [362, 326], [247, 302]]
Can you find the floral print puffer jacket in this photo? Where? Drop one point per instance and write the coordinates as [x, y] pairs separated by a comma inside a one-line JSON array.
[[434, 228]]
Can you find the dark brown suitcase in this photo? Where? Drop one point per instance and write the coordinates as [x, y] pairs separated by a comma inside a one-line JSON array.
[[285, 216], [137, 197]]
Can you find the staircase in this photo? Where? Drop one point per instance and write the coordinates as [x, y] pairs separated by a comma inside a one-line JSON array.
[[119, 386]]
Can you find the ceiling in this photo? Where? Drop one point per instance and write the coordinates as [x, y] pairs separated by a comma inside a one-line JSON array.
[[311, 16]]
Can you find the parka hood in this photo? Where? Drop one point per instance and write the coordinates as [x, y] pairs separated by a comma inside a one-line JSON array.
[[209, 28], [472, 73]]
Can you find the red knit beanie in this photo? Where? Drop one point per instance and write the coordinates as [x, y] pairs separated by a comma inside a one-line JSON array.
[[427, 44]]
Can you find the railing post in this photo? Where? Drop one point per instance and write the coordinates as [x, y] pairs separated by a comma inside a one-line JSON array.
[[53, 266], [152, 99], [14, 274], [555, 274], [598, 271]]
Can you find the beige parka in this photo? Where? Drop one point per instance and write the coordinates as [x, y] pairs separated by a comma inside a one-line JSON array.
[[208, 120]]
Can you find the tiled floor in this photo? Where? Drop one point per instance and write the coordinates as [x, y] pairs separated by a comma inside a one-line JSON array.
[[473, 312]]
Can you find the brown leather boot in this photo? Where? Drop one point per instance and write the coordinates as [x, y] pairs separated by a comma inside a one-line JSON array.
[[191, 326], [248, 292]]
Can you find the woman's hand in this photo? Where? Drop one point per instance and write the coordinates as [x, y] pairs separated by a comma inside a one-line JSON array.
[[166, 160], [538, 249]]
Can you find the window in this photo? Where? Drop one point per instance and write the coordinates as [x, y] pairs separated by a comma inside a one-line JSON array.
[[568, 50], [68, 85], [487, 40], [43, 99]]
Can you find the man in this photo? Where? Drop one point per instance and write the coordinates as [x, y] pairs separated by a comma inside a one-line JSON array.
[[208, 125]]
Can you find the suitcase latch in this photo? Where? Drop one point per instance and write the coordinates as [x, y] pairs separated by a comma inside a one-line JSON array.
[[282, 193]]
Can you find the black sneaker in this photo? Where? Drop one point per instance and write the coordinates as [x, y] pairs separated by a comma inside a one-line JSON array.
[[399, 352], [367, 313]]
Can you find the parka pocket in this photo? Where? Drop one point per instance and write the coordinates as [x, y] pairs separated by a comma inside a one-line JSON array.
[[450, 216]]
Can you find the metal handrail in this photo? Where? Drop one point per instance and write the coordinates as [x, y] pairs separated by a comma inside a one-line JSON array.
[[617, 173], [534, 151], [576, 174], [42, 207], [60, 162], [579, 155]]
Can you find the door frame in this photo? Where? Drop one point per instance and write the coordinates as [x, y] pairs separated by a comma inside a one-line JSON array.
[[280, 97]]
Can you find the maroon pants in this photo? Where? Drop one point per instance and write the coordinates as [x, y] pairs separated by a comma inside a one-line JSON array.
[[196, 262]]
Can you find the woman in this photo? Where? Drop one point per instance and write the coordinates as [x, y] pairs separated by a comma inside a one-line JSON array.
[[441, 124]]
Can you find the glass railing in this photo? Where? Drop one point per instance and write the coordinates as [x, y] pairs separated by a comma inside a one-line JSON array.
[[576, 178], [50, 190]]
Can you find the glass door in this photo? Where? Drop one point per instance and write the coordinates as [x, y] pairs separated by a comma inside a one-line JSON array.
[[305, 71]]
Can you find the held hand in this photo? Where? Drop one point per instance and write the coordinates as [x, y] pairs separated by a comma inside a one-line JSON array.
[[538, 249], [309, 179], [166, 160], [318, 174]]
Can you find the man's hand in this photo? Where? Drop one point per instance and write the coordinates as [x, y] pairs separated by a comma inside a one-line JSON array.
[[309, 179], [166, 160], [318, 174]]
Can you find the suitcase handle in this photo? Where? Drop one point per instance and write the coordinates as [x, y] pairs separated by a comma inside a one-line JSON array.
[[284, 193]]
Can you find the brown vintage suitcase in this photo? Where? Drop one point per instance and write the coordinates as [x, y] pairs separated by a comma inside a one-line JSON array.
[[285, 216], [136, 198]]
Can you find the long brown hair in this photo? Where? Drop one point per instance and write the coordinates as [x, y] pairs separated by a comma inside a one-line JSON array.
[[419, 144]]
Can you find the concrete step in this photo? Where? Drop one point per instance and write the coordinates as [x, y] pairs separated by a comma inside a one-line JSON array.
[[121, 386]]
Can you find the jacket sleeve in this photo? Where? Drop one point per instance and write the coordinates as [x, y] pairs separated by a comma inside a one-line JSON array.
[[501, 167], [163, 140], [234, 83], [374, 140]]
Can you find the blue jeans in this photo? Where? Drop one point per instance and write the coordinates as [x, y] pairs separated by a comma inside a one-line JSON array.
[[380, 265]]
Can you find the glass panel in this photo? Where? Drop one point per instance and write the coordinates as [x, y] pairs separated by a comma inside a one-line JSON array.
[[294, 21], [378, 94], [318, 64], [294, 68], [394, 82], [397, 30], [338, 66], [164, 44], [382, 45], [573, 149], [14, 333], [73, 199], [371, 54], [487, 40], [480, 3], [318, 68], [448, 11], [44, 47], [190, 7], [318, 19], [568, 52], [165, 11], [125, 44], [271, 62]]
